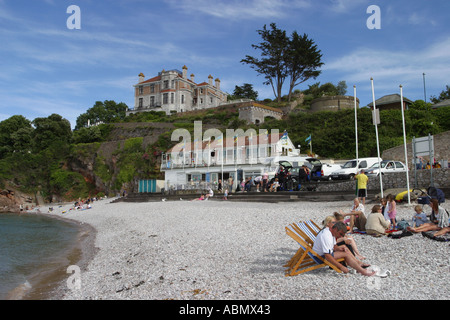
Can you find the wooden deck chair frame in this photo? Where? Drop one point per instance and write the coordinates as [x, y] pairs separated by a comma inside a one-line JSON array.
[[302, 260]]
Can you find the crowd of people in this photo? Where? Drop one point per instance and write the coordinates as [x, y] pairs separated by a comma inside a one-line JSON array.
[[335, 240]]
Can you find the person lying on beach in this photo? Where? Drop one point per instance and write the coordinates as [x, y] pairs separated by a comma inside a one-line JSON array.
[[439, 219], [325, 246], [357, 217], [202, 197]]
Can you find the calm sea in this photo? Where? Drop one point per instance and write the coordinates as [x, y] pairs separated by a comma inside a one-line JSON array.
[[32, 248]]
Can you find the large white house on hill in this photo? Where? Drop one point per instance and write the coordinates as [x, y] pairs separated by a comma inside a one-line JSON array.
[[171, 91]]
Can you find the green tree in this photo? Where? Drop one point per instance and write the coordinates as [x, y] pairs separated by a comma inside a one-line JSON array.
[[272, 64], [51, 130], [444, 95], [341, 88], [102, 112], [302, 60], [245, 92], [15, 135], [296, 57]]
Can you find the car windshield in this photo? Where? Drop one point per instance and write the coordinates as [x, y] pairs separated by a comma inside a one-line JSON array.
[[375, 165]]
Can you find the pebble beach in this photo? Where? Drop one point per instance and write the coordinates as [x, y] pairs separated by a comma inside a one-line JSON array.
[[225, 250]]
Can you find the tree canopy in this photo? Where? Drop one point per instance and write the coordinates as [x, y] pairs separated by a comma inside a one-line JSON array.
[[244, 92], [102, 112], [296, 58]]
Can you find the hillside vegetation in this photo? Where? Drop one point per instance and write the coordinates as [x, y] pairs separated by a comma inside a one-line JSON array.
[[45, 155]]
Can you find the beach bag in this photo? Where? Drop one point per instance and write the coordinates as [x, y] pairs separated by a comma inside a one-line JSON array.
[[402, 225], [423, 200]]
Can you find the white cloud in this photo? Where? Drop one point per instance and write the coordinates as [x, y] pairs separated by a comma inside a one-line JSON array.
[[238, 9], [364, 63]]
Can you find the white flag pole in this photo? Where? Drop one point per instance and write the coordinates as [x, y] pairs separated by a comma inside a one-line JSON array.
[[376, 133], [404, 144], [356, 124]]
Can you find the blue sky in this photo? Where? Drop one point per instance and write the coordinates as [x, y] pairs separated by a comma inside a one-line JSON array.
[[47, 68]]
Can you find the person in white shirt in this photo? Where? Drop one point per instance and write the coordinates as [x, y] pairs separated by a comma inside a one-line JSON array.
[[357, 216], [325, 246]]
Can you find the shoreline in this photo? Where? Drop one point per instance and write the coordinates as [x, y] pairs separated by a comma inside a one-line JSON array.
[[45, 284], [80, 253]]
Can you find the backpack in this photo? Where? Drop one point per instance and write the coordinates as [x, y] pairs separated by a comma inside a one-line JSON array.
[[402, 225]]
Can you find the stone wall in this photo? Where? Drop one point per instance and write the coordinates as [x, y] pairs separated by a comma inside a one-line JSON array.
[[441, 179], [333, 103], [441, 150]]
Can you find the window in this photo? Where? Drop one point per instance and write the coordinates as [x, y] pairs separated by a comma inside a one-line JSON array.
[[399, 165], [152, 101], [141, 102], [166, 84], [165, 98], [172, 97], [141, 89], [182, 98], [172, 84]]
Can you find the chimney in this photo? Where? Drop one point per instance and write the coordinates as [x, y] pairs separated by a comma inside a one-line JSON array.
[[192, 77], [141, 77], [218, 84], [185, 72], [210, 78]]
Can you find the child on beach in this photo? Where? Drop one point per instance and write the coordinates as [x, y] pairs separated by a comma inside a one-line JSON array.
[[420, 217], [384, 208], [392, 212]]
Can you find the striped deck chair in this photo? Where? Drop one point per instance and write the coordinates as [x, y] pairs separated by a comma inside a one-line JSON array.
[[305, 259]]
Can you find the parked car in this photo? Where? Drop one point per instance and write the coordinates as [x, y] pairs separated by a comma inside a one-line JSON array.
[[387, 166], [326, 170], [352, 167]]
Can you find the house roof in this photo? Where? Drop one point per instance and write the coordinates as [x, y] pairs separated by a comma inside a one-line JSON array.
[[388, 99], [443, 103]]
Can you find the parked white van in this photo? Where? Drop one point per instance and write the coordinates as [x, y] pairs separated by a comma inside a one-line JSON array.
[[352, 167]]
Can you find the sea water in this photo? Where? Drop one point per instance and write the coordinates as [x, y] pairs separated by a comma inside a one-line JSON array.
[[31, 246]]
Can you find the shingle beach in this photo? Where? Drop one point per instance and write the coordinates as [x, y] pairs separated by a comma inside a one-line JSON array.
[[225, 250]]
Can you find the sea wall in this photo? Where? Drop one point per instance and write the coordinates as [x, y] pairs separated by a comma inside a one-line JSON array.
[[424, 178]]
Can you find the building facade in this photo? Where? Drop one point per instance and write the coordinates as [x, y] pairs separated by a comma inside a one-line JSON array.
[[171, 91], [205, 162]]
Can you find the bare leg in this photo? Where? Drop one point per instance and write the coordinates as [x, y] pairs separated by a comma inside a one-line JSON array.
[[353, 262], [442, 231], [423, 228]]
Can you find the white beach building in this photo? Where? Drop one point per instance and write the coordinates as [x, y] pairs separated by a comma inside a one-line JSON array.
[[201, 163]]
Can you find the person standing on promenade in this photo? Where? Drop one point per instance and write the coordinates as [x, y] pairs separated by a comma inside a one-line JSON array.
[[362, 186]]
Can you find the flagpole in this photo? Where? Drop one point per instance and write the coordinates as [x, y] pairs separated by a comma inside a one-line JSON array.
[[356, 124], [376, 133], [404, 144]]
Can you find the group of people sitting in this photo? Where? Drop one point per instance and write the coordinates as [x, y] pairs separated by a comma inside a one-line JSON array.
[[334, 241], [382, 218]]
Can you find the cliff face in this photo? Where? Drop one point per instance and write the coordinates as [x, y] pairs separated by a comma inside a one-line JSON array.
[[131, 153], [12, 200]]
